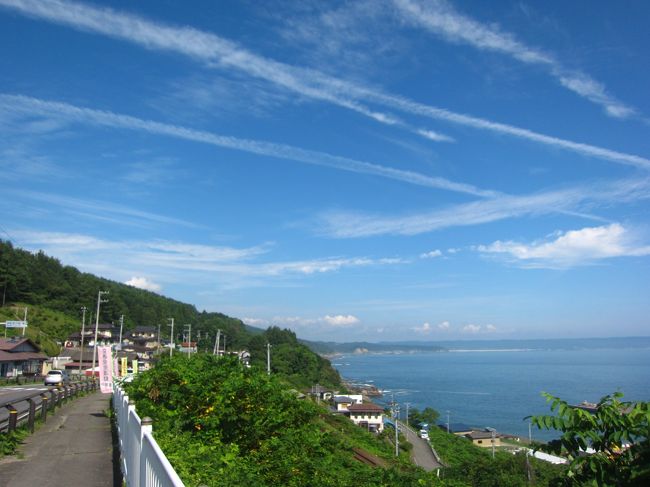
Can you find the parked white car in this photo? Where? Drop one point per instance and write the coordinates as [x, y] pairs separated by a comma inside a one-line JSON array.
[[424, 434], [57, 378]]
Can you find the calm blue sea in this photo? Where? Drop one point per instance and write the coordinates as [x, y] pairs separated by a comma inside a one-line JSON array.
[[498, 383]]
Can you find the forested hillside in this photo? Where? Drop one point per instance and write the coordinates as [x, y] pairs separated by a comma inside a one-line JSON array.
[[54, 295]]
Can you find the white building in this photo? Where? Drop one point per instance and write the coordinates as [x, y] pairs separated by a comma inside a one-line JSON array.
[[368, 416]]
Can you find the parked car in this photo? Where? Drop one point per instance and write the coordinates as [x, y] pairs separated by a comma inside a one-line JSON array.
[[57, 378], [424, 434]]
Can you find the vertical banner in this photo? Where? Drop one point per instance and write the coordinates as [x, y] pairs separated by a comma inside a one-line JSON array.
[[124, 366], [135, 366], [116, 368], [105, 369]]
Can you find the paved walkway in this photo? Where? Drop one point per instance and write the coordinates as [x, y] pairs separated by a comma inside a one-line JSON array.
[[73, 449]]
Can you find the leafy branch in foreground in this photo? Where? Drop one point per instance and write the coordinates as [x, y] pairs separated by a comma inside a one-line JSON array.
[[617, 432]]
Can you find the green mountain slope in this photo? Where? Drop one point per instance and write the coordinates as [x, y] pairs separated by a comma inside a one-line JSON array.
[[54, 295]]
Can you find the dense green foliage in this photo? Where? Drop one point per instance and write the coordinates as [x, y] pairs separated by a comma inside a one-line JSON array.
[[470, 465], [9, 441], [222, 424], [619, 432], [418, 419], [55, 293]]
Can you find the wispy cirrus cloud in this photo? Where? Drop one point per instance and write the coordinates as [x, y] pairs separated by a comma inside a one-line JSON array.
[[97, 209], [221, 53], [440, 18], [350, 224], [175, 261], [572, 248], [31, 106]]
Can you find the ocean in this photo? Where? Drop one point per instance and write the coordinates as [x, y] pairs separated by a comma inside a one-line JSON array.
[[498, 383]]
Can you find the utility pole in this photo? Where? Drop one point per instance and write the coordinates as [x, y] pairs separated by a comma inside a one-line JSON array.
[[215, 350], [408, 404], [99, 302], [25, 321], [171, 336], [529, 472], [395, 418], [83, 331], [494, 434], [189, 339], [447, 420], [158, 341], [121, 326], [268, 359]]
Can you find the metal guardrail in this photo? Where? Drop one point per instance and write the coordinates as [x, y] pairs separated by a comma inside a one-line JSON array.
[[21, 379], [142, 461], [28, 408]]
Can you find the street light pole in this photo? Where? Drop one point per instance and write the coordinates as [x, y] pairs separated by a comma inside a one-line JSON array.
[[171, 337], [83, 331], [268, 359], [99, 302], [121, 327], [189, 339]]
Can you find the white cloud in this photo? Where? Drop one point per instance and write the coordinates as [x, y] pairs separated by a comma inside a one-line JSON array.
[[328, 321], [473, 329], [220, 53], [435, 136], [340, 320], [444, 326], [144, 283], [425, 329], [490, 328], [178, 261], [575, 247], [431, 254], [439, 17], [259, 322], [349, 224]]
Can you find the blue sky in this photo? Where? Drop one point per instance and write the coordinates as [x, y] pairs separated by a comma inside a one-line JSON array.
[[376, 170]]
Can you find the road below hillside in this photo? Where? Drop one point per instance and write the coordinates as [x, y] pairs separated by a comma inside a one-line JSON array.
[[421, 453]]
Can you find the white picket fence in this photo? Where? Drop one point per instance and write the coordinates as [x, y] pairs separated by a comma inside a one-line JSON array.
[[143, 462]]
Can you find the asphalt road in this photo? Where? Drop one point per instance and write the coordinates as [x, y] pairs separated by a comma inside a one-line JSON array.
[[421, 453], [16, 393]]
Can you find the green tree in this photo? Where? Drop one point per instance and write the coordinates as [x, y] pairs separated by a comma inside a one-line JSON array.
[[618, 432], [427, 416]]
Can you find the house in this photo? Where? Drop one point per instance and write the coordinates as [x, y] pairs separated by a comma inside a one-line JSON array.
[[458, 429], [342, 402], [20, 356], [70, 359], [367, 415], [144, 336], [107, 334], [484, 438]]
